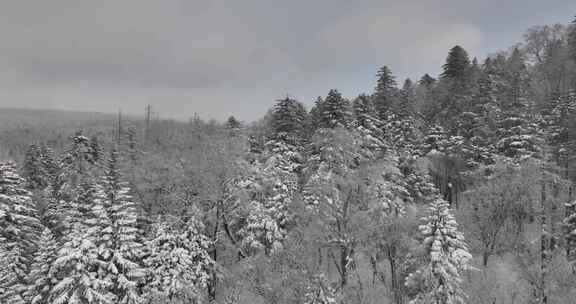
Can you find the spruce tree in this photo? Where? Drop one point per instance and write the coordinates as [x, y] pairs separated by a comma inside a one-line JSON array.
[[334, 111], [385, 92], [119, 246], [33, 168], [457, 64], [516, 78], [572, 40], [19, 229], [178, 262], [364, 112], [274, 179], [406, 103], [233, 125], [289, 120], [366, 122], [427, 81], [446, 255], [12, 290], [41, 278], [79, 160], [518, 136], [315, 112], [77, 269]]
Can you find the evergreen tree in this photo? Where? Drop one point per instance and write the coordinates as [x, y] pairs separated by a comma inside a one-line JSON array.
[[41, 278], [518, 136], [119, 246], [289, 121], [446, 254], [334, 111], [436, 138], [367, 124], [559, 126], [274, 181], [33, 168], [19, 230], [233, 125], [40, 168], [406, 103], [385, 92], [457, 64], [427, 81], [50, 166], [314, 114], [178, 262], [402, 133], [79, 160], [572, 40], [78, 279], [364, 113], [516, 79], [11, 288]]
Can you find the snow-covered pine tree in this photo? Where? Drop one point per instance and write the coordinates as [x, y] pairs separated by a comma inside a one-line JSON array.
[[118, 245], [233, 126], [77, 270], [33, 168], [334, 111], [367, 124], [11, 288], [385, 92], [78, 160], [178, 263], [402, 133], [457, 64], [405, 106], [314, 113], [275, 180], [572, 40], [289, 120], [262, 230], [445, 254], [76, 165], [476, 148], [559, 125], [50, 165], [20, 230], [41, 279], [518, 136]]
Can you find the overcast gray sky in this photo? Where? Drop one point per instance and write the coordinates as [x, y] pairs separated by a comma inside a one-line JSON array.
[[222, 57]]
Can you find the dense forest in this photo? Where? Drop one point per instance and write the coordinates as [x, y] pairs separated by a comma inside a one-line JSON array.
[[456, 189]]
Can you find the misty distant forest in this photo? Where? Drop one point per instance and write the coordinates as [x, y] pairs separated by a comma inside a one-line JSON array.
[[448, 189]]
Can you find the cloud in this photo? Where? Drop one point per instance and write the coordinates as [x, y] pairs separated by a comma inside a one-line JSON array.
[[218, 57], [398, 34]]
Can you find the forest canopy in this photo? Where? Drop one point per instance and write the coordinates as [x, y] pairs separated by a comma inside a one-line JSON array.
[[449, 189]]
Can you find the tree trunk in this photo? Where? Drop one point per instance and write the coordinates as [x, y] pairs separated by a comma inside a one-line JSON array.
[[391, 253], [543, 247], [343, 265], [214, 254]]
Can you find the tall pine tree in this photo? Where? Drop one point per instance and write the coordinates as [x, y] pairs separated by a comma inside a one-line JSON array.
[[19, 230], [385, 93], [333, 111], [439, 280]]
